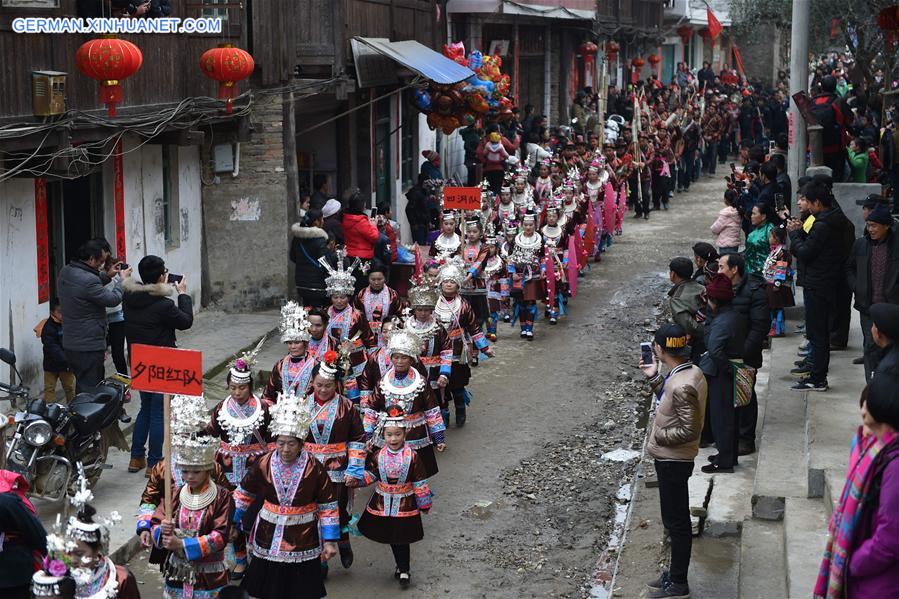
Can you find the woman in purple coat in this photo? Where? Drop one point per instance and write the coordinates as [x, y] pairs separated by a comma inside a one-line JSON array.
[[861, 559]]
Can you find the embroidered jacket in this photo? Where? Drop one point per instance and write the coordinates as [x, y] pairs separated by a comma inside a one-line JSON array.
[[351, 324], [291, 375], [154, 492], [244, 434], [378, 307], [402, 489], [299, 500], [205, 534], [424, 424], [337, 439]]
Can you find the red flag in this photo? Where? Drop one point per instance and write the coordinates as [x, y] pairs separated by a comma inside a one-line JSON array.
[[550, 280], [715, 27], [572, 266], [590, 232], [739, 60]]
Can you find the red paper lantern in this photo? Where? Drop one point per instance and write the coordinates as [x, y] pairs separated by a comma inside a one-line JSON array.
[[109, 60], [685, 33], [587, 49], [638, 62], [654, 59], [612, 49], [227, 65]]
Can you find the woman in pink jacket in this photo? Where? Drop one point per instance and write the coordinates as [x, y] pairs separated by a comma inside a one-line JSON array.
[[727, 227]]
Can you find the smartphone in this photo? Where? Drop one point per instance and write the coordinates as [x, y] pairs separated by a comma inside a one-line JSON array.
[[779, 201], [374, 212], [173, 278], [771, 146], [646, 353], [123, 266], [733, 167]]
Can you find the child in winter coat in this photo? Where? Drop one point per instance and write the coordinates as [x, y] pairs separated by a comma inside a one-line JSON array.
[[494, 151], [55, 366], [779, 276], [727, 226]]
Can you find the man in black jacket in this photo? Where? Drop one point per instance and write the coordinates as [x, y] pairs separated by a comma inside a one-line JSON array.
[[151, 318], [84, 297], [822, 250], [750, 300], [872, 273]]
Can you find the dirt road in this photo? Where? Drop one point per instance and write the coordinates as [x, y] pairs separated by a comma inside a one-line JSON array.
[[524, 501]]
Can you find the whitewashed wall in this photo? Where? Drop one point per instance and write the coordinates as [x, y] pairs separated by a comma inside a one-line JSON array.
[[19, 310]]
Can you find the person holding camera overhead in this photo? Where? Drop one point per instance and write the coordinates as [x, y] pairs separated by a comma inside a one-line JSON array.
[[151, 318]]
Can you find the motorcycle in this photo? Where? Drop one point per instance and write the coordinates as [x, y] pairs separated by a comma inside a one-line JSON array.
[[51, 439]]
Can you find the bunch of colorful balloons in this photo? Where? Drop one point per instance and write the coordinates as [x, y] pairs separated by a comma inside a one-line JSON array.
[[483, 95]]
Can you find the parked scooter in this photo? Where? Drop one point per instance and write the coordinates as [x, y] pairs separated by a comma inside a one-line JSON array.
[[51, 439]]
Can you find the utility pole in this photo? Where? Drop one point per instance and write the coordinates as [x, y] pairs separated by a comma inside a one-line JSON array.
[[798, 83]]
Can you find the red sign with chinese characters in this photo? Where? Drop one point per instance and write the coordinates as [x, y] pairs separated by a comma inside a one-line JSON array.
[[43, 240], [166, 370], [462, 198], [118, 192]]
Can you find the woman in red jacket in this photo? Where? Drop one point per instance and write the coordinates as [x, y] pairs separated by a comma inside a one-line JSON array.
[[360, 232]]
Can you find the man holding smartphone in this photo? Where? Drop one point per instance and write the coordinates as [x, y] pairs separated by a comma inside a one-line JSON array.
[[673, 443], [151, 318]]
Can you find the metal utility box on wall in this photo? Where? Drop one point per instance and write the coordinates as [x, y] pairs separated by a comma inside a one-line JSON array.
[[48, 93], [223, 158]]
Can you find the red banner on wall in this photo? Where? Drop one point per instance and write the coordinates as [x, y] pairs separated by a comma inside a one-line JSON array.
[[43, 240], [118, 189]]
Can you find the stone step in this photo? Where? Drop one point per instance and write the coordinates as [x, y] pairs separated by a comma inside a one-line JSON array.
[[833, 488], [783, 438], [805, 532], [763, 573]]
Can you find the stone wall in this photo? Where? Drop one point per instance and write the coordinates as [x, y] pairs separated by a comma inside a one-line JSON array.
[[247, 219], [761, 52]]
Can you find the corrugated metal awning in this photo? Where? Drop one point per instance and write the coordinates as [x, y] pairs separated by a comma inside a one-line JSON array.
[[412, 55]]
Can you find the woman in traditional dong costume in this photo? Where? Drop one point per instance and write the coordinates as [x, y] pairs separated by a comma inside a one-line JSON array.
[[377, 365], [298, 525], [497, 283], [474, 257], [189, 415], [525, 267], [393, 514], [460, 322], [347, 325], [241, 422], [378, 302], [406, 387], [337, 440], [448, 243], [293, 372], [85, 544], [555, 238], [196, 535], [319, 340], [436, 358]]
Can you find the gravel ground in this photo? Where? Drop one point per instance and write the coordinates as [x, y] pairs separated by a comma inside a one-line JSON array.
[[525, 503]]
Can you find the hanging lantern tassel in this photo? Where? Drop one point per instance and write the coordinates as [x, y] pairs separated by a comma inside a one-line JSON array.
[[227, 65]]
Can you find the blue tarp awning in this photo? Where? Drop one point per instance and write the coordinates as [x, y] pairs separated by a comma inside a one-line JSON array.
[[416, 57]]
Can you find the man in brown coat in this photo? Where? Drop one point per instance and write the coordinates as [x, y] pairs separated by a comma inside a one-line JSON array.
[[674, 443]]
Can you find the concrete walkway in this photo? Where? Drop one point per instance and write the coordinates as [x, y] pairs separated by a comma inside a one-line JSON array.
[[763, 527], [219, 336]]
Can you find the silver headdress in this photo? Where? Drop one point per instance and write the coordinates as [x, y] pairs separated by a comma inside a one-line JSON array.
[[404, 342], [189, 414], [422, 294], [340, 280], [241, 370], [195, 451], [452, 270], [394, 416], [294, 325], [85, 525], [291, 416]]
